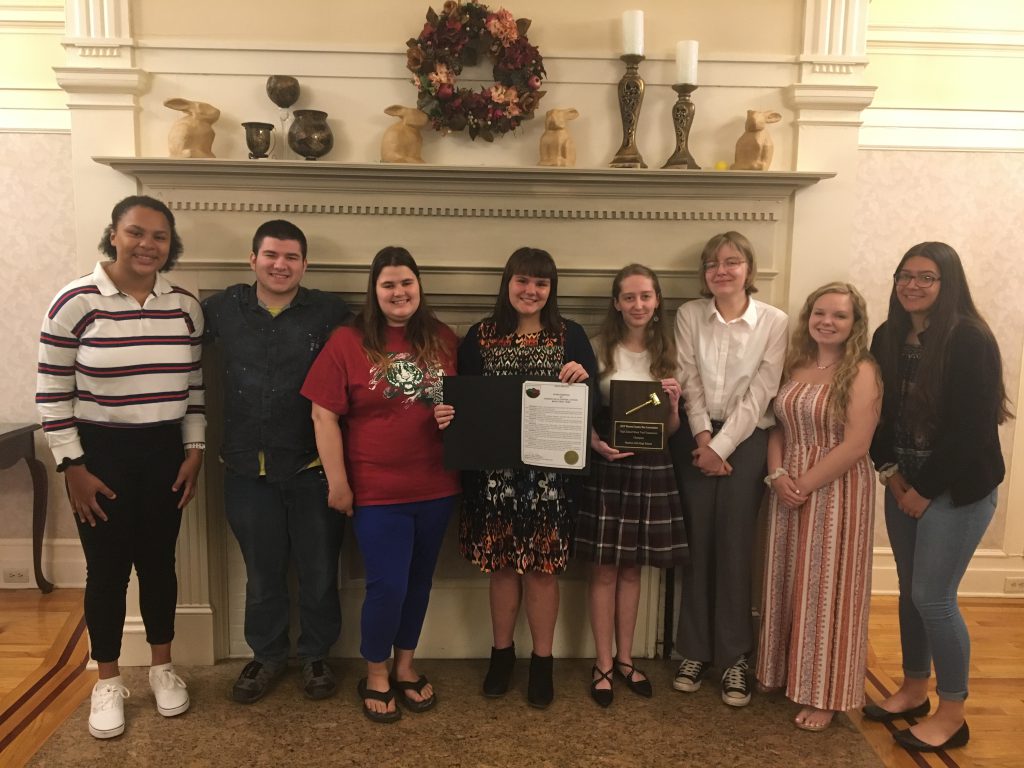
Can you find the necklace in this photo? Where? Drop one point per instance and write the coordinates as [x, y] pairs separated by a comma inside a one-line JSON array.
[[821, 367]]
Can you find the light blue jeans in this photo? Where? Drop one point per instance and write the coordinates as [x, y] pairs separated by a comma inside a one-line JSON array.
[[932, 554]]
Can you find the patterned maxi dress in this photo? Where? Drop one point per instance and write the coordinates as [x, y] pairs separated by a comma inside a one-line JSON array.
[[818, 569]]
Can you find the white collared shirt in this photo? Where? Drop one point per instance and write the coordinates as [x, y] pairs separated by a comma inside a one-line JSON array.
[[730, 370]]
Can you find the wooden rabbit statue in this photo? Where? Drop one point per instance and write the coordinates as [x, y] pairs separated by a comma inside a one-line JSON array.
[[754, 148], [402, 142], [192, 135], [556, 145]]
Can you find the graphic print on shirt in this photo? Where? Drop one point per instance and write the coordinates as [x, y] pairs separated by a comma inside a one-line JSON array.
[[402, 377]]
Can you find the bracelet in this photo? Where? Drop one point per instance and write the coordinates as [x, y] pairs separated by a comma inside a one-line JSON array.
[[774, 475], [200, 446], [69, 462], [886, 472]]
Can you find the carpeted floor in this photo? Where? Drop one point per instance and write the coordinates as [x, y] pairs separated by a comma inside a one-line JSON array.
[[465, 729]]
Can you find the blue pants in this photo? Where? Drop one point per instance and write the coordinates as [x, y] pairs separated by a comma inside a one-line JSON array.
[[278, 523], [399, 544], [932, 554]]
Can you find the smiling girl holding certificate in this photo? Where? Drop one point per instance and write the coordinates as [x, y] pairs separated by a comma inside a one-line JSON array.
[[631, 513], [517, 523]]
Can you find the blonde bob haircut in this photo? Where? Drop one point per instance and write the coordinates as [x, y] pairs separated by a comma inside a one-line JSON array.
[[710, 253]]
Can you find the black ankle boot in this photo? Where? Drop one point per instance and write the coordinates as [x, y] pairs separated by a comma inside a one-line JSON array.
[[499, 673], [541, 690]]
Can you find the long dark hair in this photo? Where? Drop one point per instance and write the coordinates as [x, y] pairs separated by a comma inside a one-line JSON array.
[[953, 307], [422, 329], [532, 262], [142, 201], [659, 341]]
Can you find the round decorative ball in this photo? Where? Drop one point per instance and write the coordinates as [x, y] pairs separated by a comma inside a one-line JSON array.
[[722, 165], [460, 36], [283, 90]]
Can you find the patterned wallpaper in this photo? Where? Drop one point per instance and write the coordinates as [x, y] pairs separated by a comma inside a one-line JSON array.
[[36, 229], [971, 200]]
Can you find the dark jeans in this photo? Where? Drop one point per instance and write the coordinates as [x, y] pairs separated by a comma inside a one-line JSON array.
[[140, 466], [278, 523]]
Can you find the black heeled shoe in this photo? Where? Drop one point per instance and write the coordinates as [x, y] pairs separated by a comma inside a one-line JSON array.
[[499, 672], [879, 715], [540, 691], [639, 687], [603, 696], [907, 740]]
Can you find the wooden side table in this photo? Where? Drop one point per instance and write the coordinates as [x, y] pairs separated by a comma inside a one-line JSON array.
[[16, 443]]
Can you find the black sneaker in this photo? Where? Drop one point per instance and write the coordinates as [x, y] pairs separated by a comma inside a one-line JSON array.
[[317, 679], [689, 675], [735, 688], [256, 679]]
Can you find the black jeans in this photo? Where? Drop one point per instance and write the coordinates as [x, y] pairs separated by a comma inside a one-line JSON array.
[[140, 466]]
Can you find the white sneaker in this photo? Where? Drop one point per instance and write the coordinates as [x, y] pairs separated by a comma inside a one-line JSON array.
[[168, 689], [106, 716]]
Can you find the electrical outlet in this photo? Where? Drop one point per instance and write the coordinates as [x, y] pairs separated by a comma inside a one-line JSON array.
[[1013, 584], [15, 576]]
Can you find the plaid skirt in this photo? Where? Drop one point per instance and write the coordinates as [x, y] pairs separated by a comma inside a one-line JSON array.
[[631, 513]]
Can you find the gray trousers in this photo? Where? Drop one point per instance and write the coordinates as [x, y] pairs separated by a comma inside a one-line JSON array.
[[721, 529]]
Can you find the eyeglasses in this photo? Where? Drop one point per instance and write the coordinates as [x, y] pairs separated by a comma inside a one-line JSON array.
[[730, 264], [922, 280]]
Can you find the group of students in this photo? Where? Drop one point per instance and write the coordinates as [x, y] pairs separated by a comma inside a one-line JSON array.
[[321, 420]]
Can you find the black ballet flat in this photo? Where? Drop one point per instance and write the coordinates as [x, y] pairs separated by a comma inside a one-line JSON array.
[[639, 687], [907, 740], [879, 715]]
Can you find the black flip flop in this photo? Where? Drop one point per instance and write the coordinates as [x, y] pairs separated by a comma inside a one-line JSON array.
[[418, 686], [387, 698]]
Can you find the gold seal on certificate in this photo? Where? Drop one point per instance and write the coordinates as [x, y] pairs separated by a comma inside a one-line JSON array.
[[639, 413]]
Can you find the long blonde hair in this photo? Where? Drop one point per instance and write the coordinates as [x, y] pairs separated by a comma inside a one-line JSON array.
[[803, 350], [659, 340]]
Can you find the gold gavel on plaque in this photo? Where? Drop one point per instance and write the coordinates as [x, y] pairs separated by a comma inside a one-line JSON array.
[[652, 400]]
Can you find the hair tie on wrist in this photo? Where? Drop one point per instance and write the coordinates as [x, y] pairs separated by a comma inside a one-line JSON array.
[[69, 462]]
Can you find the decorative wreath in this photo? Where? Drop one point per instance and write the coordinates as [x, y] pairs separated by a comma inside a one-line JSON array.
[[458, 37]]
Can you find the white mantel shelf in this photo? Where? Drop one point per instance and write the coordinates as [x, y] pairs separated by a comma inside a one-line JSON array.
[[157, 173]]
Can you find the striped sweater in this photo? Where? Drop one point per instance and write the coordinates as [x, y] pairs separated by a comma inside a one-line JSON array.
[[105, 360]]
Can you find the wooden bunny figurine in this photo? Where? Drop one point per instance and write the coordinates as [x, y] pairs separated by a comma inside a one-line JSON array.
[[556, 145], [754, 148], [192, 135], [402, 142]]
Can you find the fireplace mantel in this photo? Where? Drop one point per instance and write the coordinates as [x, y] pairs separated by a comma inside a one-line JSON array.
[[242, 175]]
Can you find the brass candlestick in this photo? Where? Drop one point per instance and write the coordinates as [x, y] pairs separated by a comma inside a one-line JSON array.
[[682, 119], [631, 97]]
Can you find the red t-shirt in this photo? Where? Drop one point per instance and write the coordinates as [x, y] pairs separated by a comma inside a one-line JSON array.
[[391, 441]]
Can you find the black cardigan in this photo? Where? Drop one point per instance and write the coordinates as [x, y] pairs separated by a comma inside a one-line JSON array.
[[966, 459]]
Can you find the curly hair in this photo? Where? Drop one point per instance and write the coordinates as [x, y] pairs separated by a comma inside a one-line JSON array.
[[659, 340], [803, 350], [144, 201]]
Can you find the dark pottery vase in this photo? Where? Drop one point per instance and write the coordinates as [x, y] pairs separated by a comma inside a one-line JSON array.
[[310, 134], [283, 90], [259, 138]]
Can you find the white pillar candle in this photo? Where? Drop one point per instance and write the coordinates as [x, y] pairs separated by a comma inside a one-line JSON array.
[[633, 32], [686, 62]]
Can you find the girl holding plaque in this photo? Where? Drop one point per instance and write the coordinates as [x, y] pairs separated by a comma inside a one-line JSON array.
[[817, 586], [731, 349], [631, 513], [517, 524]]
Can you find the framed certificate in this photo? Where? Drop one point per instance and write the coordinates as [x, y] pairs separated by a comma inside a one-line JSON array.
[[640, 411], [511, 422]]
